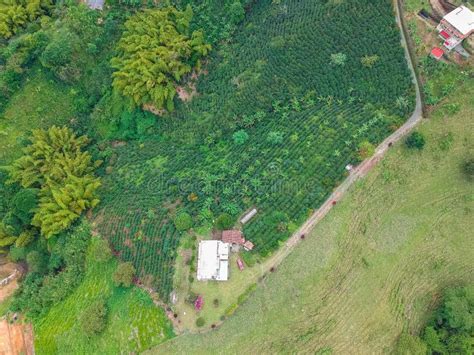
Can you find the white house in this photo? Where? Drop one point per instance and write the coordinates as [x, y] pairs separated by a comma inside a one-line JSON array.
[[213, 260], [456, 26]]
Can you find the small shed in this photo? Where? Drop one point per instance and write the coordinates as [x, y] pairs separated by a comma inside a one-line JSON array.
[[233, 236], [248, 245], [437, 53], [248, 216]]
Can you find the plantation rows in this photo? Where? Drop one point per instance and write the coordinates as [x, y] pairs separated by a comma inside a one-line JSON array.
[[302, 118], [147, 240]]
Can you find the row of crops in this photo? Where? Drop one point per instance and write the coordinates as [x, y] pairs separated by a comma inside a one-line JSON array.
[[276, 121]]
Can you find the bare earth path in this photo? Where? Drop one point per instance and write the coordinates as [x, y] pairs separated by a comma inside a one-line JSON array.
[[362, 169]]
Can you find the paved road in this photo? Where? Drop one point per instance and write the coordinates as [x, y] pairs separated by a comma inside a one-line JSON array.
[[362, 169]]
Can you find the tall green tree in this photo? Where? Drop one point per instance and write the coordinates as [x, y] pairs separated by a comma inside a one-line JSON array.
[[156, 50], [55, 162], [16, 14]]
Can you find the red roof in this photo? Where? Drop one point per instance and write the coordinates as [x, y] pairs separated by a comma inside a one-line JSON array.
[[248, 245], [233, 237], [437, 52], [445, 34]]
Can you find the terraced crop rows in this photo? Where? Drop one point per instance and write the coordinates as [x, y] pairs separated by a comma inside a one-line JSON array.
[[304, 115]]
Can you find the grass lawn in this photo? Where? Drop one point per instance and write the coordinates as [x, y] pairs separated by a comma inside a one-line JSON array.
[[376, 264], [40, 103], [134, 323], [226, 293]]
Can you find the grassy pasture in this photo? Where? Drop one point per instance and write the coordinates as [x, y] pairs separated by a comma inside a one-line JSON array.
[[134, 323], [376, 264], [40, 103]]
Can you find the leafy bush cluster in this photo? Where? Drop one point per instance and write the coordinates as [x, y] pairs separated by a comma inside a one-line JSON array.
[[156, 50], [16, 14], [56, 164], [52, 275], [450, 329]]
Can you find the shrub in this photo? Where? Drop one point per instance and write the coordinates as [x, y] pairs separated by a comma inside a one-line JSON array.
[[36, 262], [468, 168], [224, 221], [183, 221], [215, 302], [124, 274], [416, 140], [275, 137], [93, 319], [17, 254], [366, 150], [100, 251], [240, 137], [24, 202], [200, 322], [338, 59]]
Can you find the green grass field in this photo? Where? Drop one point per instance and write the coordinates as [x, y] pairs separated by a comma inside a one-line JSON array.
[[39, 104], [134, 323], [376, 264]]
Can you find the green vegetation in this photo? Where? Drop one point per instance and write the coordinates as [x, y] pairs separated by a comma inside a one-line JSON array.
[[303, 119], [450, 332], [93, 319], [124, 274], [155, 52], [55, 163], [132, 322], [415, 141], [16, 14], [372, 268]]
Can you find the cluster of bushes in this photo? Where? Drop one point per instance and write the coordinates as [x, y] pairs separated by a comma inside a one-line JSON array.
[[450, 329], [55, 269]]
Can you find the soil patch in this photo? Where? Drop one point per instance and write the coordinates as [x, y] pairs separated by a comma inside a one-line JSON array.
[[16, 338]]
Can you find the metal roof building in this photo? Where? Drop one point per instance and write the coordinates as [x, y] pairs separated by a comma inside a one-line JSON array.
[[213, 260]]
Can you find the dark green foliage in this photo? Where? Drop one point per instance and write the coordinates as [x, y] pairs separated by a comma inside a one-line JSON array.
[[200, 322], [450, 332], [268, 78], [36, 262], [416, 140], [224, 221], [94, 318], [468, 168], [58, 53], [124, 274], [240, 137], [17, 254], [38, 292], [183, 221], [366, 150], [24, 204], [275, 138], [101, 251]]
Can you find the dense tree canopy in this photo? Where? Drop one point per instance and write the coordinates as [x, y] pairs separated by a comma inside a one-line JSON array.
[[155, 52], [15, 14], [55, 163]]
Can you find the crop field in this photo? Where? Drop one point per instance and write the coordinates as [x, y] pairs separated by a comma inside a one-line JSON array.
[[281, 110], [134, 322], [377, 264]]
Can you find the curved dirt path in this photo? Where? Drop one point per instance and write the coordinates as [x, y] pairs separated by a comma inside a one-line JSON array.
[[362, 169]]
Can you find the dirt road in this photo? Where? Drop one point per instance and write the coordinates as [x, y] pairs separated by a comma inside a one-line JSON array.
[[361, 170]]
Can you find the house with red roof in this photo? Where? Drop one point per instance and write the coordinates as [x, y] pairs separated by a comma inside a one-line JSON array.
[[456, 26], [437, 53]]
